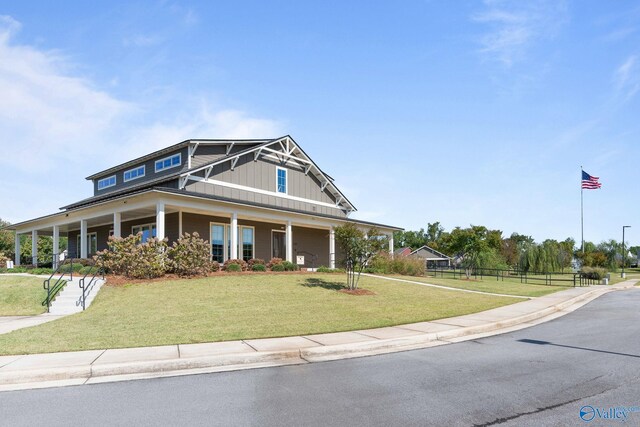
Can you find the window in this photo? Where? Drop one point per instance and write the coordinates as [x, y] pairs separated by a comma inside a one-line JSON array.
[[92, 244], [135, 173], [168, 162], [246, 242], [221, 242], [217, 242], [281, 180], [106, 182], [147, 230]]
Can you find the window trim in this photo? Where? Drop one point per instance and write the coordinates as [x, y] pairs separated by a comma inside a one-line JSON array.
[[161, 161], [89, 235], [225, 240], [241, 243], [115, 181], [124, 174], [151, 225], [286, 180]]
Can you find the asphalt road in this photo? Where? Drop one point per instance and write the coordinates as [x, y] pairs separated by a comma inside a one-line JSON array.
[[538, 376]]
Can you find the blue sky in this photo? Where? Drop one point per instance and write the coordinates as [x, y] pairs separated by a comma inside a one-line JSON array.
[[465, 113]]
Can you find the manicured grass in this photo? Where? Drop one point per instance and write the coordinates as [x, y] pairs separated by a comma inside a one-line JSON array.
[[490, 284], [240, 307], [21, 296]]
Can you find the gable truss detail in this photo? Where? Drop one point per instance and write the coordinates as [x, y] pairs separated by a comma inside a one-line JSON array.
[[283, 150]]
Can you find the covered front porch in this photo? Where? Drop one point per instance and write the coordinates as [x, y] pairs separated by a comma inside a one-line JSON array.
[[233, 230]]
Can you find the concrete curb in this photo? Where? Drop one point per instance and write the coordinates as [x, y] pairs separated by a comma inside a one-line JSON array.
[[92, 373]]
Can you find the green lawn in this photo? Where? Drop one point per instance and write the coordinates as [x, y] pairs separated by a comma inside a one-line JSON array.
[[240, 307], [488, 284], [21, 296]]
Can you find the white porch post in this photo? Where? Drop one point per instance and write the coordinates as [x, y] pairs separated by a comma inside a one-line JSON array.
[[179, 223], [56, 246], [234, 236], [83, 238], [117, 224], [289, 242], [17, 249], [391, 245], [160, 220], [34, 247], [332, 248]]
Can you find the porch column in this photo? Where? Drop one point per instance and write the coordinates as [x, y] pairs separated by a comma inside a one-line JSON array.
[[289, 242], [83, 238], [332, 248], [17, 249], [56, 246], [34, 247], [391, 245], [234, 236], [179, 223], [160, 220], [117, 224]]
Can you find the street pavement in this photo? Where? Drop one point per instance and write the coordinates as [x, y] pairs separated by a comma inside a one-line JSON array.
[[538, 376]]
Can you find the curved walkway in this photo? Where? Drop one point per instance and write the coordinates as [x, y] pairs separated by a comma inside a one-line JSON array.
[[82, 367]]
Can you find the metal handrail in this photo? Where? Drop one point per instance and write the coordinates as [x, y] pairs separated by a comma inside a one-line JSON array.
[[87, 288], [52, 291]]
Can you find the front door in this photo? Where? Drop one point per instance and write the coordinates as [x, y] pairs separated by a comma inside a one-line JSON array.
[[278, 244]]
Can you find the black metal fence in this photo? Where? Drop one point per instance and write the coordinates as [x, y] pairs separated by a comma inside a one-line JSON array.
[[547, 279]]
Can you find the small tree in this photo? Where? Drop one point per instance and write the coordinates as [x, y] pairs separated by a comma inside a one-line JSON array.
[[359, 248]]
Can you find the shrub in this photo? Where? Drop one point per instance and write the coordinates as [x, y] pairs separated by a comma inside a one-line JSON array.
[[214, 266], [3, 259], [289, 266], [240, 262], [259, 267], [274, 261], [406, 266], [87, 269], [255, 261], [68, 267], [233, 268], [277, 267], [129, 257], [596, 273], [189, 256]]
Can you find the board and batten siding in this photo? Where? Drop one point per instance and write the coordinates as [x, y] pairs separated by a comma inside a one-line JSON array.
[[149, 174], [261, 175]]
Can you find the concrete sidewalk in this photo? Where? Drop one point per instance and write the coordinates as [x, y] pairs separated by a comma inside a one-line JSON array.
[[86, 367]]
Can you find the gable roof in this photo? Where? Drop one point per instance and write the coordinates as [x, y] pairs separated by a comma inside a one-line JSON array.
[[286, 150], [433, 251]]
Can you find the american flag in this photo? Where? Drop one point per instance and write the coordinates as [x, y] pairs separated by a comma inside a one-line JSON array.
[[590, 182]]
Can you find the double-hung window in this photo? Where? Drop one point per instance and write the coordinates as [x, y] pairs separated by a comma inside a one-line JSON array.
[[221, 242], [107, 182], [281, 180], [92, 244], [134, 173], [168, 162]]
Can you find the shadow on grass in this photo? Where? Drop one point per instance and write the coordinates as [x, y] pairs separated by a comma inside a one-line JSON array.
[[319, 283]]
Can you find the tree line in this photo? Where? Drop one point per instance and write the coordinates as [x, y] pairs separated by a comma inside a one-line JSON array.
[[480, 247]]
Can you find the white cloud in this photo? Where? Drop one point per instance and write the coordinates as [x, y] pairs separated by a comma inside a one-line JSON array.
[[515, 26], [57, 127], [626, 77]]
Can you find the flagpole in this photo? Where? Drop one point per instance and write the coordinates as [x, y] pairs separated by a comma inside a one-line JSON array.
[[581, 212]]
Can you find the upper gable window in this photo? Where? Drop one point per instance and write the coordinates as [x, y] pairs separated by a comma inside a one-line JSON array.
[[107, 182], [281, 180], [168, 162], [135, 173]]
